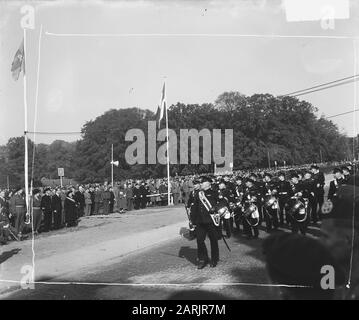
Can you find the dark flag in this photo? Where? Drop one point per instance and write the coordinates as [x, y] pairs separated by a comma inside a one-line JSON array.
[[18, 63]]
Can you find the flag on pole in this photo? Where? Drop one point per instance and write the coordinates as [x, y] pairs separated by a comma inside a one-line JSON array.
[[18, 63], [162, 107]]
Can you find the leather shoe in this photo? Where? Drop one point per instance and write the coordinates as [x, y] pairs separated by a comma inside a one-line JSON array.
[[213, 264], [202, 264]]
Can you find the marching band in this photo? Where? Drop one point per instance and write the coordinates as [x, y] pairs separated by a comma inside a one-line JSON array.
[[225, 204]]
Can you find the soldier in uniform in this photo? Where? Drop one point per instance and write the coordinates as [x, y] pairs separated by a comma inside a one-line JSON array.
[[191, 204], [225, 197], [309, 187], [319, 182], [270, 216], [18, 210], [335, 184], [46, 208], [36, 210], [283, 188], [250, 192], [205, 203], [297, 190], [238, 197]]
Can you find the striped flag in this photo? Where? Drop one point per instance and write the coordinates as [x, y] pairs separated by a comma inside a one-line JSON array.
[[18, 63], [162, 107]]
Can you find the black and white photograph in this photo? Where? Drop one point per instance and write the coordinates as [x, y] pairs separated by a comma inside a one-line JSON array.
[[176, 150]]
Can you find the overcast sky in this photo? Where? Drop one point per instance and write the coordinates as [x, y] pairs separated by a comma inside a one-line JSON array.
[[82, 77]]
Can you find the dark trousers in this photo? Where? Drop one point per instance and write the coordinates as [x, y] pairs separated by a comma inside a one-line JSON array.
[[20, 213], [37, 214], [249, 230], [202, 230], [57, 220], [143, 202], [129, 204], [282, 207], [137, 203], [228, 226], [96, 208], [271, 218], [47, 220], [106, 207], [302, 227]]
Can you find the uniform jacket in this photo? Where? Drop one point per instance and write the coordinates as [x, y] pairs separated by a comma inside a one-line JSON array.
[[200, 213]]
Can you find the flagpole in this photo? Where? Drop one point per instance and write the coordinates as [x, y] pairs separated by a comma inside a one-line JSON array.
[[26, 160], [168, 158], [112, 165]]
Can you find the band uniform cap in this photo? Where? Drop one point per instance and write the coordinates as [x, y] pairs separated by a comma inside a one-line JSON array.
[[336, 170], [294, 175], [206, 179], [250, 180], [314, 166], [267, 174]]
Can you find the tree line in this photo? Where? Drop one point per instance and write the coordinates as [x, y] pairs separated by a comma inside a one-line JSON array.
[[281, 128]]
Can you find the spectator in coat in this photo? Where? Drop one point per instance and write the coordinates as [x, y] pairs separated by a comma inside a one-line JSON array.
[[129, 196], [97, 200], [105, 199], [88, 202], [56, 204], [71, 210], [112, 199]]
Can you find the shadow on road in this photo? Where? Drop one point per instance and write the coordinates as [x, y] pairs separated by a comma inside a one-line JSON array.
[[8, 254], [190, 254]]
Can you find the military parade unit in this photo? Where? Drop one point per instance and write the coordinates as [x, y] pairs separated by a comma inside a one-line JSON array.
[[294, 200]]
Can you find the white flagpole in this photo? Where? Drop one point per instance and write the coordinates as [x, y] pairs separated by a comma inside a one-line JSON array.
[[168, 156], [112, 165], [26, 160]]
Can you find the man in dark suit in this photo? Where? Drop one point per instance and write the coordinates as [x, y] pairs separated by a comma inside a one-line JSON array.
[[56, 205], [80, 199], [46, 207]]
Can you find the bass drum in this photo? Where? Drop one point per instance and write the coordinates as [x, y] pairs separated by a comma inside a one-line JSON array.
[[298, 211], [251, 214]]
